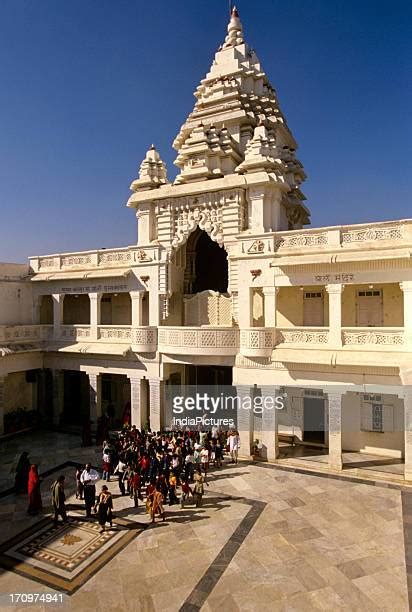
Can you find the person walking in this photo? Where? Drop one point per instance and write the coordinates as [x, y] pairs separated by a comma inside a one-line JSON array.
[[58, 500], [234, 445], [104, 508], [79, 486], [198, 489], [204, 459], [120, 469], [88, 478], [22, 473], [35, 502], [157, 505], [186, 491]]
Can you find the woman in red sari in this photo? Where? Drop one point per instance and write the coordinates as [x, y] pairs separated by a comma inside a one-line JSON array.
[[35, 503]]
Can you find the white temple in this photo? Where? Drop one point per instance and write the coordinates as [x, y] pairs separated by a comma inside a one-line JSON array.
[[226, 284]]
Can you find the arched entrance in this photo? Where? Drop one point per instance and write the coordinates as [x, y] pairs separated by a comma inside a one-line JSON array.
[[206, 264]]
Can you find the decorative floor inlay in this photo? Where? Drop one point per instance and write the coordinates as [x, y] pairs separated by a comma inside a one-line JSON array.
[[67, 555]]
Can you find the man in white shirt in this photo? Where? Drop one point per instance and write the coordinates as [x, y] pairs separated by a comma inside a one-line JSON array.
[[88, 478], [234, 445]]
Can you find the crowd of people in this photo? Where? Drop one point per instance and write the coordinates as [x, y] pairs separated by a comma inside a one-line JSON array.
[[152, 468]]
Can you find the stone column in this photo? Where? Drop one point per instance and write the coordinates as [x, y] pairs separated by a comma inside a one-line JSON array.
[[95, 389], [36, 309], [58, 396], [58, 299], [136, 402], [95, 303], [270, 294], [137, 314], [406, 287], [335, 314], [245, 424], [335, 430], [41, 394], [156, 390], [2, 401], [407, 403], [270, 440]]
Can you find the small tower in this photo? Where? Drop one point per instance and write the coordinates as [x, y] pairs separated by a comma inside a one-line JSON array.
[[152, 172]]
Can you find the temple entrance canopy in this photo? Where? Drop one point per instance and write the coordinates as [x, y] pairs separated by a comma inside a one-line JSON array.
[[206, 264]]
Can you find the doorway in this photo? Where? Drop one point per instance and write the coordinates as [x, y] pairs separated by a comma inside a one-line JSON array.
[[314, 420], [313, 308], [370, 308]]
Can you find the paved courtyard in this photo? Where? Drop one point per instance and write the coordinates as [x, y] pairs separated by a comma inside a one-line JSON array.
[[265, 539]]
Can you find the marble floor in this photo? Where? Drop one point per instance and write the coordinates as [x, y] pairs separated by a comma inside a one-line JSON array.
[[265, 539]]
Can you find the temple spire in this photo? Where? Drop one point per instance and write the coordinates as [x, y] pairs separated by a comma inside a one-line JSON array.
[[234, 31]]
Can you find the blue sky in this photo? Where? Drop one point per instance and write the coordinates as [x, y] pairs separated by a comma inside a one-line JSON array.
[[87, 85]]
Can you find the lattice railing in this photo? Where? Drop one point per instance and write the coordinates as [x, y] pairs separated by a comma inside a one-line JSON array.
[[74, 332], [114, 333], [199, 338], [302, 335], [373, 336]]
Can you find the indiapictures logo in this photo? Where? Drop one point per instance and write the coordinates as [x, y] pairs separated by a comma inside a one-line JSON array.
[[69, 540]]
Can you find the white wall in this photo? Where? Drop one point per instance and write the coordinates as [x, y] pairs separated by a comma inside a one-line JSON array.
[[15, 295]]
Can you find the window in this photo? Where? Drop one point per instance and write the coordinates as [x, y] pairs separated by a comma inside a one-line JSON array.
[[369, 293], [310, 294], [377, 417], [313, 393]]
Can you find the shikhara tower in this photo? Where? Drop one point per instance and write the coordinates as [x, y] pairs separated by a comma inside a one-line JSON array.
[[235, 142]]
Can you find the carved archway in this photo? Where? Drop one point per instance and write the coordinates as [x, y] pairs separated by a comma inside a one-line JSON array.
[[206, 264], [206, 219]]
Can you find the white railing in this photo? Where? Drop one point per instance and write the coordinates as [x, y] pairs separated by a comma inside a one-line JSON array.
[[144, 339], [199, 340], [75, 332], [103, 258], [345, 236], [257, 341], [392, 337], [115, 333], [17, 334], [302, 335]]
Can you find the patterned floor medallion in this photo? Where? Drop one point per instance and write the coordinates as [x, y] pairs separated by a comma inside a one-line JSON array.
[[66, 556]]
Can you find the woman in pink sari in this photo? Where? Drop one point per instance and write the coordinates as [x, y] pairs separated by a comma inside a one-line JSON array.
[[35, 502]]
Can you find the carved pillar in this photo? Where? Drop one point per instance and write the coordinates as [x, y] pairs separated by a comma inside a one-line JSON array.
[[137, 309], [58, 396], [335, 314], [270, 294], [95, 390], [95, 304], [2, 401], [270, 440], [36, 309], [406, 287], [156, 391], [58, 299], [136, 402], [256, 212], [407, 403], [244, 422], [335, 430]]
